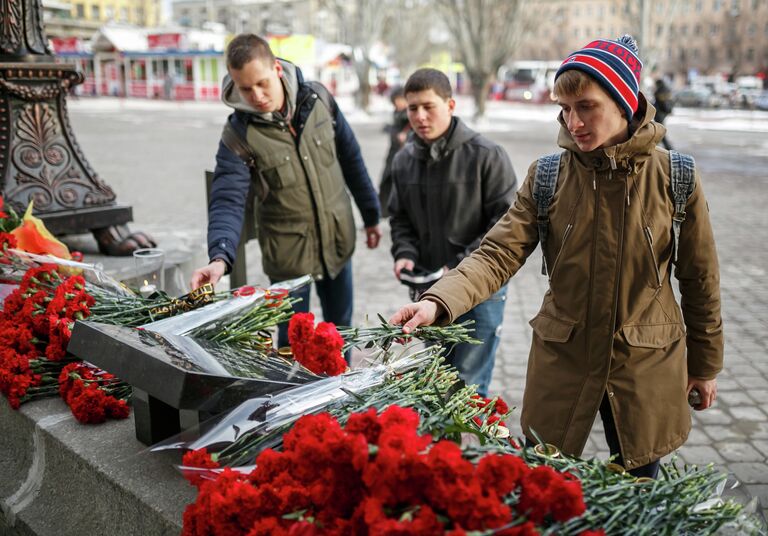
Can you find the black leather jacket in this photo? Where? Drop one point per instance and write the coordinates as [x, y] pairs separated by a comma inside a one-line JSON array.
[[447, 196]]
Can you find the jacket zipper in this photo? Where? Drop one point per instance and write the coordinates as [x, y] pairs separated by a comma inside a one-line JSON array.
[[588, 316], [566, 234], [649, 239]]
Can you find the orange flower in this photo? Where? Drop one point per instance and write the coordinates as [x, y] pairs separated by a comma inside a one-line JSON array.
[[33, 237]]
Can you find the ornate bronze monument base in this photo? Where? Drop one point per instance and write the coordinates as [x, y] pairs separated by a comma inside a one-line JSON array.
[[40, 160]]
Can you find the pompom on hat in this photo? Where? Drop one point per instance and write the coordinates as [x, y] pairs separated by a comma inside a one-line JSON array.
[[615, 65]]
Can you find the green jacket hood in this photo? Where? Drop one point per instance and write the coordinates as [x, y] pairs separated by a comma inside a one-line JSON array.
[[291, 75]]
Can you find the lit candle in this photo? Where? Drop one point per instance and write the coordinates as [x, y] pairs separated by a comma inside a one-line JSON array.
[[147, 289]]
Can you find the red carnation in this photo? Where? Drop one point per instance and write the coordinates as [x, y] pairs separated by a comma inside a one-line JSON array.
[[244, 291], [7, 240]]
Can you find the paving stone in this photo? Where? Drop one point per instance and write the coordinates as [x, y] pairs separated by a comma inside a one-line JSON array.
[[759, 395], [720, 432], [762, 446], [700, 455], [728, 384], [748, 413], [733, 398], [750, 473], [742, 369], [698, 437], [712, 416], [751, 382], [738, 451]]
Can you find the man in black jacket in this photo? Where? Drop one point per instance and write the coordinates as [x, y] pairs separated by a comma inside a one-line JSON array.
[[450, 186], [305, 160]]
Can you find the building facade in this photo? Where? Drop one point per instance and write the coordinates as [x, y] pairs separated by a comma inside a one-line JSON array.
[[263, 17], [137, 12], [676, 37]]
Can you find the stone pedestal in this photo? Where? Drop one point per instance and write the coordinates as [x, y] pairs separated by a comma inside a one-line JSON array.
[[61, 478]]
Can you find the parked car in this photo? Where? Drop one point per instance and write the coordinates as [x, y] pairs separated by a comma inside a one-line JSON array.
[[698, 97], [761, 101]]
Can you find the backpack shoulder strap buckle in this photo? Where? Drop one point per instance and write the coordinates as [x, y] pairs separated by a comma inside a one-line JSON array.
[[682, 170]]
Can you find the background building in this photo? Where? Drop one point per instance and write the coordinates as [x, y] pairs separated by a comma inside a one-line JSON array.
[[274, 17], [137, 12], [681, 37]]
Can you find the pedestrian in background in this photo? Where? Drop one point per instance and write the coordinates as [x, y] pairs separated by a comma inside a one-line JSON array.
[[398, 132], [610, 337], [450, 185], [304, 159], [663, 102]]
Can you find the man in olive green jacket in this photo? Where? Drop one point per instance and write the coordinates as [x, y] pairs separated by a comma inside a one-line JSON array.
[[610, 336], [305, 158]]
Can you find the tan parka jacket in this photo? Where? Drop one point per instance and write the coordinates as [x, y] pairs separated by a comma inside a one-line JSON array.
[[609, 321]]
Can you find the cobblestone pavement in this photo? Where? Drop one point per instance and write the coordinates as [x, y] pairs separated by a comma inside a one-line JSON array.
[[154, 156]]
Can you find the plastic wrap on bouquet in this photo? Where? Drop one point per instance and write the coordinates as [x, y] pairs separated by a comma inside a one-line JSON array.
[[177, 380], [213, 317], [259, 423], [92, 273]]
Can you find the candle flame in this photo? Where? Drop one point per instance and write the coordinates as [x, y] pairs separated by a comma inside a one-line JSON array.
[[146, 282]]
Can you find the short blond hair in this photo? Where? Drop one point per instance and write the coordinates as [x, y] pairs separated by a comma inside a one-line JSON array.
[[572, 83]]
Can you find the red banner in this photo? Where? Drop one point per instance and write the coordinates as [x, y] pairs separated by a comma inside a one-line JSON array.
[[164, 40], [63, 45]]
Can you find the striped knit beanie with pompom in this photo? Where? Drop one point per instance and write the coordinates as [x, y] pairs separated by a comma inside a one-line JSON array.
[[615, 65]]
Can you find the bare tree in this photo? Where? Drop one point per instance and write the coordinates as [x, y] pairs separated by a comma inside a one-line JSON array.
[[404, 34], [361, 22], [485, 32]]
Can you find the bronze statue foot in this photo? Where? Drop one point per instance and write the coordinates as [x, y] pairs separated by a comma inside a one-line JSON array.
[[118, 240]]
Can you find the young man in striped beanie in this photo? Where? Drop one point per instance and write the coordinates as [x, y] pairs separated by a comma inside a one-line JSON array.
[[610, 337], [612, 70]]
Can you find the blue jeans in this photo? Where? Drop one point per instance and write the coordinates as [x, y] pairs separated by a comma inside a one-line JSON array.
[[336, 300], [475, 361]]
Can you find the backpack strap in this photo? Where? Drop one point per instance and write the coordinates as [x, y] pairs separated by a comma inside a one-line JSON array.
[[683, 182], [240, 147], [325, 97], [544, 185]]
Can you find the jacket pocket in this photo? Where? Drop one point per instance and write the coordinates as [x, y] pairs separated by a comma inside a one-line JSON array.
[[326, 146], [277, 170], [552, 329], [286, 248], [344, 234], [652, 335]]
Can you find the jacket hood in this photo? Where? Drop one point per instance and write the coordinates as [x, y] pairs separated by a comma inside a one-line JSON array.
[[646, 134], [458, 134], [291, 80]]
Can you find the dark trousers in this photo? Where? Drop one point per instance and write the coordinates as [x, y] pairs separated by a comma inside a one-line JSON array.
[[336, 300], [650, 470]]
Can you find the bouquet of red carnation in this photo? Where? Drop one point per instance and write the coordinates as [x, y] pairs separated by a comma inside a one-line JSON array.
[[495, 410], [317, 348], [378, 475], [35, 328], [92, 394]]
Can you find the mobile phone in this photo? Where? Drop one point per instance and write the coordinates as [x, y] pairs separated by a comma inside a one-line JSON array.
[[694, 398]]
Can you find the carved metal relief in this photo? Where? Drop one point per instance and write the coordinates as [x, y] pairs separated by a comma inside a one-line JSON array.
[[34, 31], [10, 26], [43, 166]]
